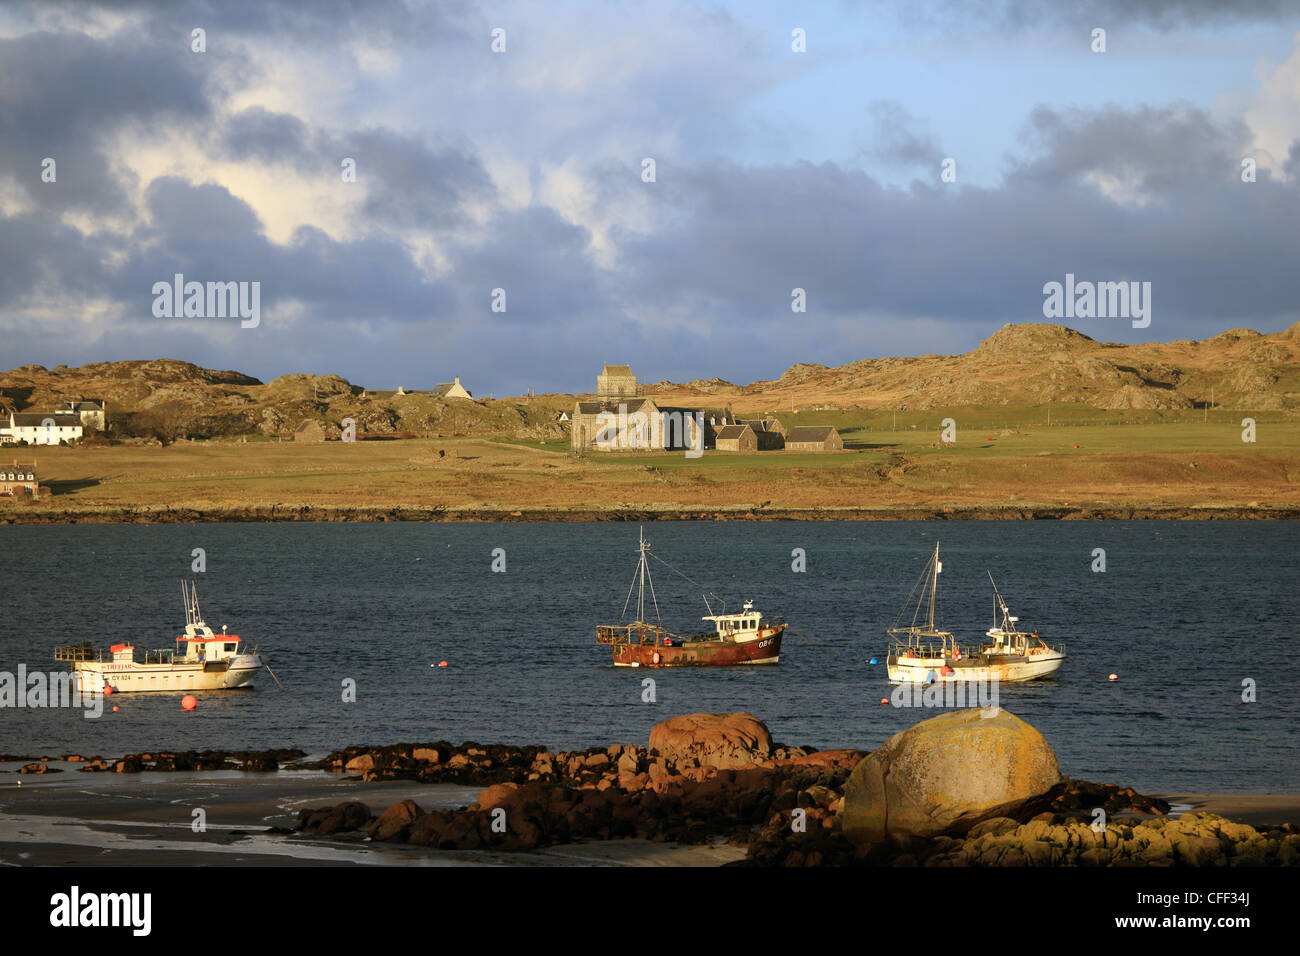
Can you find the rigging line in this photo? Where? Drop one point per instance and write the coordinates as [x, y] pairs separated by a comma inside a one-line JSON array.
[[691, 580], [652, 596], [630, 588]]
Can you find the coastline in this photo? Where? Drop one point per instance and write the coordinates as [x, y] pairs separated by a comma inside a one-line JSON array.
[[254, 819], [182, 514]]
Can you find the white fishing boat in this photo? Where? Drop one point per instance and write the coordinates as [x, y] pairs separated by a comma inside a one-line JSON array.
[[200, 660], [922, 652]]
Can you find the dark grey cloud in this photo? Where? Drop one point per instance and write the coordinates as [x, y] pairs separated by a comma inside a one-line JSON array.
[[898, 137], [1158, 14], [736, 240], [1163, 149], [407, 182], [61, 95], [292, 20]]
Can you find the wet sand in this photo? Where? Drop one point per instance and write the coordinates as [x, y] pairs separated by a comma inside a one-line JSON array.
[[146, 819], [1255, 809]]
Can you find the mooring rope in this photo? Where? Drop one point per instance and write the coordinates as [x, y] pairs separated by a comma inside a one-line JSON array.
[[1085, 670]]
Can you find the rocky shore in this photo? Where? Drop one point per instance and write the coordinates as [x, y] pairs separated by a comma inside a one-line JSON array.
[[262, 761], [966, 788], [45, 513], [719, 777]]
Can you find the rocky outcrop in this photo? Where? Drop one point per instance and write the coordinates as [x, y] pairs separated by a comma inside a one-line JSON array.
[[948, 773], [345, 816], [725, 741], [261, 761]]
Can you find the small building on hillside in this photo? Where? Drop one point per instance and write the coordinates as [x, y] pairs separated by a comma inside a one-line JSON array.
[[736, 438], [769, 432], [41, 428], [383, 394], [452, 389], [93, 413], [309, 431], [17, 480], [813, 438]]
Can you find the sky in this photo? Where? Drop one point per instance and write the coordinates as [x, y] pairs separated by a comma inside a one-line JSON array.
[[500, 225]]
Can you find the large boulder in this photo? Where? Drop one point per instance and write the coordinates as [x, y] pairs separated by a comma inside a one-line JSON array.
[[725, 741], [394, 820], [946, 774]]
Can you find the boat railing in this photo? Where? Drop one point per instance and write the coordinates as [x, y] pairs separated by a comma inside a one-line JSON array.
[[78, 652], [926, 649], [160, 656], [631, 633]]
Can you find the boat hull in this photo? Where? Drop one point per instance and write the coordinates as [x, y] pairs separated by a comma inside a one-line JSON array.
[[134, 678], [923, 670], [765, 649]]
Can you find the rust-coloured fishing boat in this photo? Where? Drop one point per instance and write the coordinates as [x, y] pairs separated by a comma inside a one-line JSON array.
[[741, 638]]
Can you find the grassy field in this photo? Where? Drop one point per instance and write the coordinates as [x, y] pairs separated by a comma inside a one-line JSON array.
[[1177, 464]]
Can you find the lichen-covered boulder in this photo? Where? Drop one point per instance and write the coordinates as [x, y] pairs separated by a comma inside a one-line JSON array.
[[947, 773]]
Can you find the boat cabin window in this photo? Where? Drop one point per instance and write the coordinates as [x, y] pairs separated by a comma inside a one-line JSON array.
[[230, 648]]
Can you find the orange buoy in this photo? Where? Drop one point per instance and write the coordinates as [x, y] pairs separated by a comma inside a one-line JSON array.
[[1113, 677], [884, 700], [189, 702], [108, 689], [442, 663], [115, 708]]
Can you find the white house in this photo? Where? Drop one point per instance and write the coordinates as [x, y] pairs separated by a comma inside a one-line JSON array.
[[452, 389], [41, 428]]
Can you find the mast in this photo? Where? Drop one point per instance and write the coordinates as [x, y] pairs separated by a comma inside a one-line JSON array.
[[934, 583], [639, 581], [642, 570]]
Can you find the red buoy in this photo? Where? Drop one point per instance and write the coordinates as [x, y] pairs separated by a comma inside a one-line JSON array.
[[189, 702], [108, 689], [442, 663], [884, 700]]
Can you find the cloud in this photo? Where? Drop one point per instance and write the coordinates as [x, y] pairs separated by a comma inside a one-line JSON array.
[[897, 138], [523, 173], [1162, 15]]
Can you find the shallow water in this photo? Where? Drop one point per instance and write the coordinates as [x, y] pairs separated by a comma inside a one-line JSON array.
[[1184, 612]]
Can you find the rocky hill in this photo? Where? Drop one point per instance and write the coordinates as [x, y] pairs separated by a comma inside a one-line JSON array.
[[1033, 364], [1028, 364], [166, 399]]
